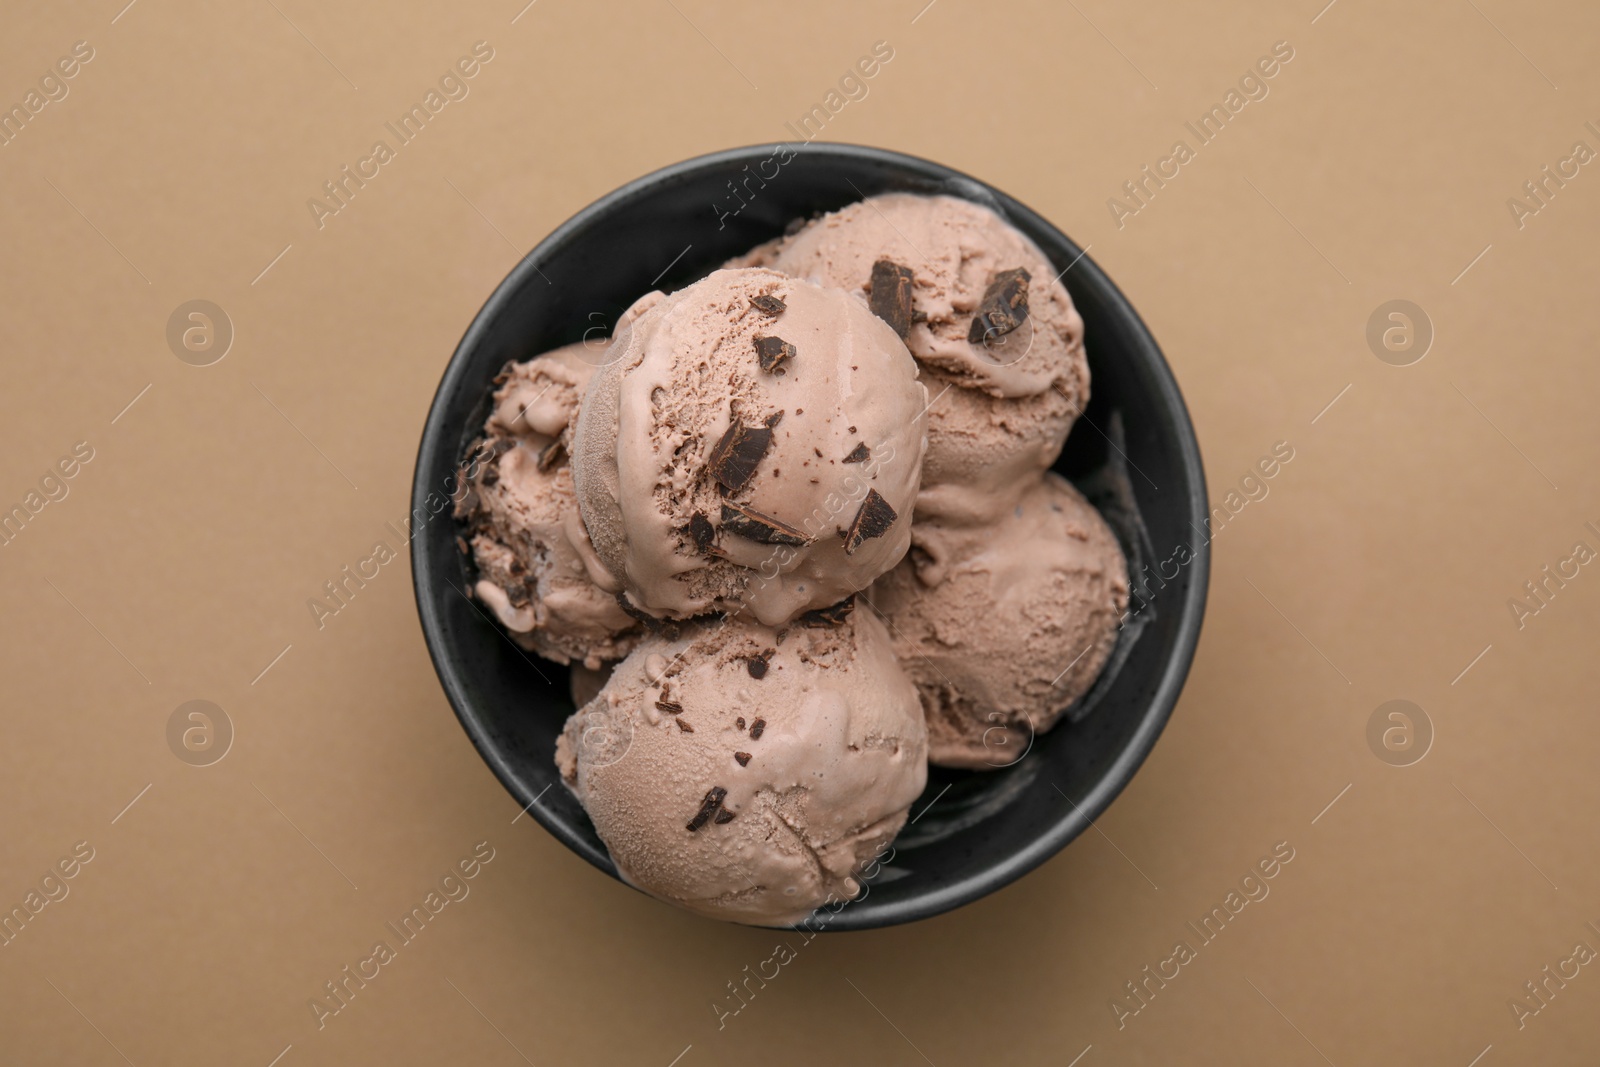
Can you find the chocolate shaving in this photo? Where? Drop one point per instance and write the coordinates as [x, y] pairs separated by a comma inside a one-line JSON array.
[[735, 457], [708, 807], [891, 295], [739, 722], [743, 758], [775, 418], [665, 627], [723, 816], [671, 707], [1004, 306], [550, 455], [757, 666], [860, 454], [832, 615], [872, 520], [700, 531], [747, 522], [769, 304], [756, 728], [771, 351], [685, 727]]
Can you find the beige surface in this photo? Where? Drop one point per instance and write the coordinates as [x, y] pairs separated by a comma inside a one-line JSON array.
[[180, 563]]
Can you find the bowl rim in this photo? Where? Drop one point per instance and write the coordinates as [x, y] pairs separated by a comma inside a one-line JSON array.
[[1054, 836]]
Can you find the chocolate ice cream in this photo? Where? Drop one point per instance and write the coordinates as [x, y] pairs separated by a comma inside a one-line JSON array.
[[756, 442], [1003, 628], [536, 569], [984, 313], [747, 773]]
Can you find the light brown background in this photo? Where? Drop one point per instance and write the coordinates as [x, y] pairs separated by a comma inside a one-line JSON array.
[[1378, 567]]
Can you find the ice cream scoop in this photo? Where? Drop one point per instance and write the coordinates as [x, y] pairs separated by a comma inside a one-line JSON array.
[[536, 569], [1003, 628], [748, 773], [986, 315], [755, 442]]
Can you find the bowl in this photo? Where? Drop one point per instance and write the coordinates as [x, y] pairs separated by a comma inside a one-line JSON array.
[[1133, 453]]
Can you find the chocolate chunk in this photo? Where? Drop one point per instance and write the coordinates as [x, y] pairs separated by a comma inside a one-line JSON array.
[[708, 807], [747, 522], [723, 816], [872, 520], [768, 304], [736, 456], [832, 615], [743, 758], [550, 455], [700, 531], [756, 728], [891, 295], [1004, 306], [665, 627], [757, 666], [860, 454], [685, 727], [773, 420], [671, 707], [771, 351], [739, 722]]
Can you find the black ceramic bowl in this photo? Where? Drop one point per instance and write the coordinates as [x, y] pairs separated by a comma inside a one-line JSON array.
[[1134, 453]]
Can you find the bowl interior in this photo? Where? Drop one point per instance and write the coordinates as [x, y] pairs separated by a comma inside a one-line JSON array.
[[1133, 453]]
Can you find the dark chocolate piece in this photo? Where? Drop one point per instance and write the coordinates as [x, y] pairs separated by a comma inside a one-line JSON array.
[[747, 522], [550, 455], [739, 722], [736, 456], [832, 615], [756, 728], [771, 351], [684, 726], [708, 807], [743, 758], [891, 295], [723, 816], [665, 627], [860, 454], [872, 520], [768, 304], [671, 707], [700, 531], [757, 666], [1004, 306]]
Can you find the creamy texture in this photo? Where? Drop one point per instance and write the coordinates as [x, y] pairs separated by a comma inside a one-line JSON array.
[[1003, 628], [820, 757], [536, 568], [1000, 409], [685, 370]]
